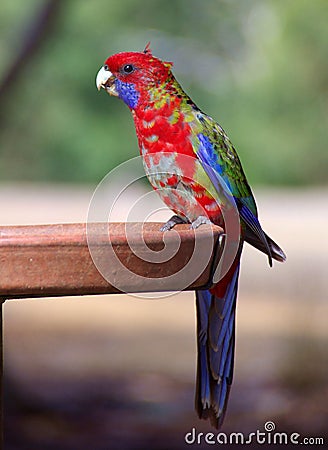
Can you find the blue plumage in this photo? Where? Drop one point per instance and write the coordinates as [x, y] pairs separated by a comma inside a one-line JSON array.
[[213, 165], [216, 343], [127, 92]]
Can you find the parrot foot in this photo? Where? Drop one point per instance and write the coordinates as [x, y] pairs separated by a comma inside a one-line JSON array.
[[201, 220], [175, 220]]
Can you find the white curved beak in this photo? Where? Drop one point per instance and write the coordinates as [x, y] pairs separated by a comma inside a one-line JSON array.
[[105, 79]]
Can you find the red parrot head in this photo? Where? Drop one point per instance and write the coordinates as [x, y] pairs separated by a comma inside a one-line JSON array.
[[131, 75]]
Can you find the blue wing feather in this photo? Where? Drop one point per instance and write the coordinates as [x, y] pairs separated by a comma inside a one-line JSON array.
[[229, 189]]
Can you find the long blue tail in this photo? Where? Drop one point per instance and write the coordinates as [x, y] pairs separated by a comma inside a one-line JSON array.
[[216, 345]]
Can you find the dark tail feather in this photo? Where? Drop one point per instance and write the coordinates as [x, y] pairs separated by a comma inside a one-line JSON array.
[[276, 252], [216, 344]]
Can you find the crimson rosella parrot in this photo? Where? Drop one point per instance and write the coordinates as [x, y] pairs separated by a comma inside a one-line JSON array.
[[170, 126]]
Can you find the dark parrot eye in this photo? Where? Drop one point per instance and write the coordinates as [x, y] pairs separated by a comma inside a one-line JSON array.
[[106, 67], [128, 68]]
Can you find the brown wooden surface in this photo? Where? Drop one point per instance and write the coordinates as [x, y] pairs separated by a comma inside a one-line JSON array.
[[54, 260]]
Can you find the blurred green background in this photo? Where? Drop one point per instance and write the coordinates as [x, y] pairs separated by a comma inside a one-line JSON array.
[[258, 66], [111, 372]]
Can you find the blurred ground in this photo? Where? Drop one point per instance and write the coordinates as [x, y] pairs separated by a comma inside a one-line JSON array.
[[113, 372]]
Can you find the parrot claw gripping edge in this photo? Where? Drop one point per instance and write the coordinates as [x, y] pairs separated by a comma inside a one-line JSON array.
[[169, 125]]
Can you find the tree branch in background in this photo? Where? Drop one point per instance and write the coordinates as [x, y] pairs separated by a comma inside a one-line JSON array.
[[40, 29]]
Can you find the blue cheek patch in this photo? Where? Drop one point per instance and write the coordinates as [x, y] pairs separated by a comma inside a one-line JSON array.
[[128, 93]]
